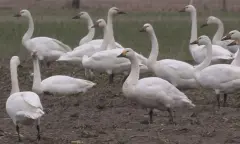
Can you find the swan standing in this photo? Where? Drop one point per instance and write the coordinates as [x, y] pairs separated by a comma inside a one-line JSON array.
[[22, 107], [58, 84], [91, 31], [178, 73], [223, 78], [219, 34], [151, 92], [48, 49], [219, 54]]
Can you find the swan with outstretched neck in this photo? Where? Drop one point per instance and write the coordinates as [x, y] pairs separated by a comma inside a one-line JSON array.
[[22, 107], [48, 49], [219, 34], [151, 92], [219, 54]]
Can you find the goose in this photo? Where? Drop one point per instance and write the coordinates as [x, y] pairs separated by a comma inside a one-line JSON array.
[[151, 92], [219, 54], [219, 34], [178, 73], [22, 107], [58, 84], [48, 49], [91, 31], [223, 78]]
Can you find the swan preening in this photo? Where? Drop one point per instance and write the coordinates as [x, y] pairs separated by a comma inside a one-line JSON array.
[[22, 107]]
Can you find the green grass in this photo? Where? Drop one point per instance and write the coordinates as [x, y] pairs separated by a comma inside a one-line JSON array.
[[172, 30]]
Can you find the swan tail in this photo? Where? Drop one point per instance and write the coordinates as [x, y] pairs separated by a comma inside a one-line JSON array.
[[84, 59], [32, 115], [66, 47]]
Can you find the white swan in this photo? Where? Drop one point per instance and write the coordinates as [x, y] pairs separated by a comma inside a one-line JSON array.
[[219, 54], [91, 31], [48, 49], [151, 92], [58, 84], [223, 78], [22, 107], [219, 34], [178, 73]]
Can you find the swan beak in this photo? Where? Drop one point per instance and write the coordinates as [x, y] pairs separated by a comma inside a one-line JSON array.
[[76, 17], [194, 42], [20, 66], [233, 43], [95, 25], [203, 25], [142, 30], [17, 15], [121, 12], [182, 10], [123, 54], [227, 37]]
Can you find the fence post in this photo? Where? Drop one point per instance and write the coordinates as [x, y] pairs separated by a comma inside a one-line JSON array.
[[224, 5], [76, 4]]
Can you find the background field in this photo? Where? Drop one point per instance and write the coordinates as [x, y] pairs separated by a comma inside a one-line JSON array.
[[103, 115]]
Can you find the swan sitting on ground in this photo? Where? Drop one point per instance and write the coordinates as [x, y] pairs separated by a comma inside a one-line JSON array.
[[219, 54], [151, 92], [22, 107], [48, 49], [223, 78], [91, 31], [178, 73], [58, 84], [219, 34]]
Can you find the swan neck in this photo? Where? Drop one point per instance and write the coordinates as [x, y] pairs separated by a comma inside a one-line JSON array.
[[194, 25], [206, 62], [219, 34], [91, 32], [105, 39], [155, 49], [14, 78], [36, 75], [30, 30], [110, 31], [133, 77]]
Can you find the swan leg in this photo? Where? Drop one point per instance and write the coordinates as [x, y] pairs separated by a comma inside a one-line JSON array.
[[91, 74], [86, 73], [111, 76], [17, 129], [170, 116], [218, 100], [224, 99], [150, 116], [38, 132]]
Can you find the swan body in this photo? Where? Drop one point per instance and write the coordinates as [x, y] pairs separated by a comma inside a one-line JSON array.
[[219, 34], [22, 107], [48, 48], [58, 84], [151, 92], [219, 54], [178, 73]]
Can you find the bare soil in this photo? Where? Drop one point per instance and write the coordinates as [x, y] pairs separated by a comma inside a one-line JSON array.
[[104, 116]]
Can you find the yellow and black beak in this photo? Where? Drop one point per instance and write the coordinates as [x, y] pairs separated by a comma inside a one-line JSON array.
[[227, 37], [95, 25], [76, 17], [17, 15], [182, 10], [20, 66], [121, 12], [235, 42], [194, 42], [203, 25], [142, 29], [123, 54]]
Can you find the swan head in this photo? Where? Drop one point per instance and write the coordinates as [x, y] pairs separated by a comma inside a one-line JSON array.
[[234, 35], [15, 61], [83, 15], [146, 28], [23, 12], [210, 20], [127, 53], [115, 11], [202, 40], [100, 23], [188, 8]]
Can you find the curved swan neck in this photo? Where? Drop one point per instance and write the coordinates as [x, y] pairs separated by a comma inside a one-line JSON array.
[[91, 32], [30, 30], [219, 34], [105, 39], [206, 62], [36, 75], [154, 51], [134, 74], [194, 25], [14, 78], [110, 30]]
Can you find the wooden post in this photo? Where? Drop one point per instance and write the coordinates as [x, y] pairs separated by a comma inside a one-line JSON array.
[[224, 5], [76, 4]]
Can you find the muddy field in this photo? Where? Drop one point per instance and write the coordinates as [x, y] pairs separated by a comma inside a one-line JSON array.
[[104, 116]]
